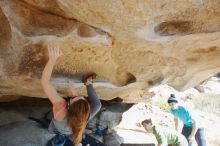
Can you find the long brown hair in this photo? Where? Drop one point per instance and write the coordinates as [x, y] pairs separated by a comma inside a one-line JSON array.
[[78, 115]]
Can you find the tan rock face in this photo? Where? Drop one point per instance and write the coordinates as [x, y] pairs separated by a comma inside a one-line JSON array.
[[5, 33], [33, 22], [132, 45]]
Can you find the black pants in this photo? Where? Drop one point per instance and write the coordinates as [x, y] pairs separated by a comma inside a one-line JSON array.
[[200, 135]]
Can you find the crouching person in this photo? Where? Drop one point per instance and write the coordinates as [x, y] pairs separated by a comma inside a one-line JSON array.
[[164, 136]]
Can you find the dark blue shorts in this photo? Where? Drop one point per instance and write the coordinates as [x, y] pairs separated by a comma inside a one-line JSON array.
[[64, 140]]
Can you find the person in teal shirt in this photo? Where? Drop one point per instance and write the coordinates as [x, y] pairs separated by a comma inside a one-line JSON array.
[[190, 127], [164, 136]]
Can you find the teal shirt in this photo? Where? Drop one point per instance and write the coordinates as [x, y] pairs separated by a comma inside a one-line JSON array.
[[184, 115]]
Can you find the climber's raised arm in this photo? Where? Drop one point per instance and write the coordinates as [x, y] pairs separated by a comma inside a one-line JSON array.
[[54, 53]]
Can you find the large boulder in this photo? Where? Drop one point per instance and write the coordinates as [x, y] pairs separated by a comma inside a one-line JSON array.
[[131, 45]]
